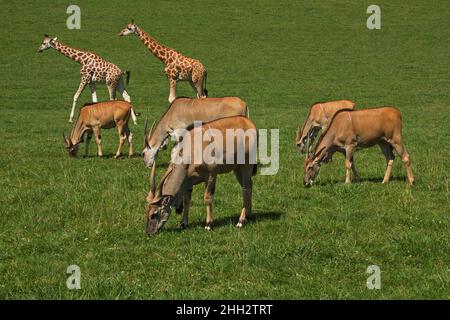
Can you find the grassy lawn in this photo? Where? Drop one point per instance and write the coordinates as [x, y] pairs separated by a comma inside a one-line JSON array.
[[280, 57]]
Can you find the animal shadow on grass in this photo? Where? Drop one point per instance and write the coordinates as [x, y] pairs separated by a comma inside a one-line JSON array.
[[256, 217], [362, 180], [107, 156]]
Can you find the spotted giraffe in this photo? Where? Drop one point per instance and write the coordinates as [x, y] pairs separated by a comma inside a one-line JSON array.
[[177, 66], [93, 70]]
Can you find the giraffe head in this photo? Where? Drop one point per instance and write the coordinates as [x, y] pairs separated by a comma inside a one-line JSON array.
[[129, 29], [47, 43]]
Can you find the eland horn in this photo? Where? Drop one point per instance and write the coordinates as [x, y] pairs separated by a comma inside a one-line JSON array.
[[145, 144], [152, 181], [66, 141], [308, 142]]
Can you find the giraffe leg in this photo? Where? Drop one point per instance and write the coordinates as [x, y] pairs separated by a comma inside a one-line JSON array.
[[199, 89], [197, 85], [112, 91], [193, 87], [173, 88], [75, 98], [122, 91], [93, 91], [126, 97]]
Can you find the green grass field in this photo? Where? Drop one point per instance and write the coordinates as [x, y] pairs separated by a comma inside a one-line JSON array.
[[280, 57]]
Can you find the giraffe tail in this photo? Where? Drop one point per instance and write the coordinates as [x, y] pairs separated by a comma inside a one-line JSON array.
[[134, 115], [128, 77], [204, 84]]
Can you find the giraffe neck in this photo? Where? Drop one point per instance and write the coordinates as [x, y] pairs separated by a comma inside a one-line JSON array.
[[72, 53], [153, 46]]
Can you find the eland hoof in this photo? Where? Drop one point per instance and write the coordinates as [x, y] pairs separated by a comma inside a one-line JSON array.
[[183, 225], [208, 226]]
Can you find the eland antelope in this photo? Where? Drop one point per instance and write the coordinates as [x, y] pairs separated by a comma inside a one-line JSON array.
[[357, 129]]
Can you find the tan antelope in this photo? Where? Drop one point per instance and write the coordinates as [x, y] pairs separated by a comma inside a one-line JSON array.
[[319, 116], [353, 130], [96, 116], [182, 113], [181, 176]]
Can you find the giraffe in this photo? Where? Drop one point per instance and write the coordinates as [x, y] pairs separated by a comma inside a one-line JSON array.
[[177, 66], [94, 70]]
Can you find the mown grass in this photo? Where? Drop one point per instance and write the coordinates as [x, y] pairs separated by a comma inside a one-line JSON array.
[[278, 56]]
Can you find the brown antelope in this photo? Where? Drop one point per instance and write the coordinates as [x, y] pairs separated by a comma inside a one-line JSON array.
[[352, 130], [181, 176], [319, 116], [96, 116], [182, 113]]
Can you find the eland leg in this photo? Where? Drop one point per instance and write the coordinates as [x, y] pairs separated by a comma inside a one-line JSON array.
[[243, 174], [401, 150], [129, 137], [386, 148], [349, 151], [98, 140], [208, 199], [355, 172], [186, 204], [86, 145], [122, 137]]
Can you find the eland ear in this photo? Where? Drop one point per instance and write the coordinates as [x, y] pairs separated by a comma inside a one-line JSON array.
[[132, 21], [174, 135]]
